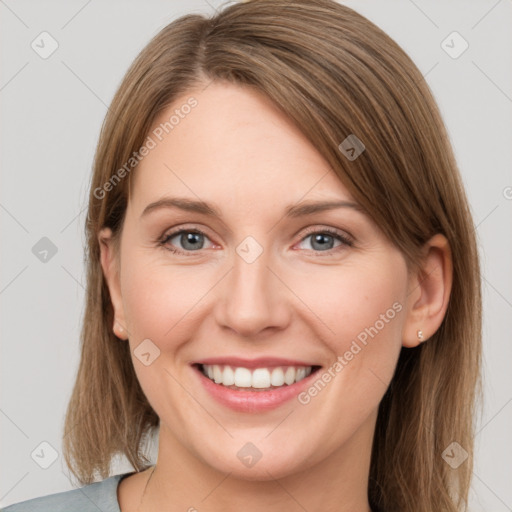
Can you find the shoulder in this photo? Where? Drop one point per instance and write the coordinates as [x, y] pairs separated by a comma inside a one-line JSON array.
[[90, 498]]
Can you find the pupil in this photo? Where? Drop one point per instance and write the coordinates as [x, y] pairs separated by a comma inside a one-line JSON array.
[[320, 238], [190, 238]]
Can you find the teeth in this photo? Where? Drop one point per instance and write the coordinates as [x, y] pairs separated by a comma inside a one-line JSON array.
[[228, 376], [260, 378], [242, 378], [277, 377]]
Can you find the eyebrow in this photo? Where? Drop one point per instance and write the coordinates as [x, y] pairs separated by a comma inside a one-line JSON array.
[[292, 211]]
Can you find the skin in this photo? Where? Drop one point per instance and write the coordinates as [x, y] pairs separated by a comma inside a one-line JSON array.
[[237, 151]]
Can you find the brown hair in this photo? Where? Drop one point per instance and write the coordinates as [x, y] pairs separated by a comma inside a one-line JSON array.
[[333, 73]]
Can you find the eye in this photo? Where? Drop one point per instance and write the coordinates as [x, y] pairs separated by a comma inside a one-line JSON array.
[[191, 239], [323, 240]]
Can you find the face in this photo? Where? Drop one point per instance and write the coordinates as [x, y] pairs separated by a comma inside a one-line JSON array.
[[322, 289]]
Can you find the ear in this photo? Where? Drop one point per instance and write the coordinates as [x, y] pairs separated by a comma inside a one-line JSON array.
[[429, 292], [110, 264]]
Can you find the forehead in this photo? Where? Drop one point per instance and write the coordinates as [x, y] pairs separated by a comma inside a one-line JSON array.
[[233, 146]]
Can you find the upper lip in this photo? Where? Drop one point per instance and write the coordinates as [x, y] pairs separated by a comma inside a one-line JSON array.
[[260, 362]]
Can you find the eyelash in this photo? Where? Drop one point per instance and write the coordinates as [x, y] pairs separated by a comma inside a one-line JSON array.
[[336, 234]]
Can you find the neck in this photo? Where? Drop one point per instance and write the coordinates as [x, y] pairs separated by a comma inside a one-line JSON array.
[[183, 481]]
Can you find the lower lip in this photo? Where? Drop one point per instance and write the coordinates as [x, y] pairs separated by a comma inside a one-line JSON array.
[[253, 401]]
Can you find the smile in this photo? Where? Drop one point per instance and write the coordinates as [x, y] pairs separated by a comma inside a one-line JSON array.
[[260, 379], [256, 389]]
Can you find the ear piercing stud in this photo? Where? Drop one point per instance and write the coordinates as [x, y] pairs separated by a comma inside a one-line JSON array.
[[119, 328], [420, 335]]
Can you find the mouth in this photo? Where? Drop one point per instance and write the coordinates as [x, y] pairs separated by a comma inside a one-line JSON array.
[[261, 379]]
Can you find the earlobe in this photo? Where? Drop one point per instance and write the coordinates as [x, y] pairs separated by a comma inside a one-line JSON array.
[[429, 293], [109, 264]]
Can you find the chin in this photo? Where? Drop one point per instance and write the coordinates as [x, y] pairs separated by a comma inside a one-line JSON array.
[[257, 461]]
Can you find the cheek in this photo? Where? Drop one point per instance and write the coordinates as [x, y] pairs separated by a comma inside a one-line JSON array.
[[160, 305], [360, 311], [157, 298], [364, 314]]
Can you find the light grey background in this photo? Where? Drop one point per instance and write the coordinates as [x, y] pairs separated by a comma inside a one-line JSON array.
[[52, 111]]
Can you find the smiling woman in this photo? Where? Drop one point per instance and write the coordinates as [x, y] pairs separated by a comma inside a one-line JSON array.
[[286, 283]]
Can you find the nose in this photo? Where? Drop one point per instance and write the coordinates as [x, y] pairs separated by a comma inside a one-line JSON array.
[[252, 298]]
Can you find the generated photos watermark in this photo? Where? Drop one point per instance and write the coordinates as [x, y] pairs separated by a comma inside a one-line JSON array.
[[357, 345], [151, 142]]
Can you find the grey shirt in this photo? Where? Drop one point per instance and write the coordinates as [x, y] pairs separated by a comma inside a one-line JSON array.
[[96, 497]]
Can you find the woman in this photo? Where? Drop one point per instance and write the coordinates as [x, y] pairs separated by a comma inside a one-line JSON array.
[[282, 277]]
